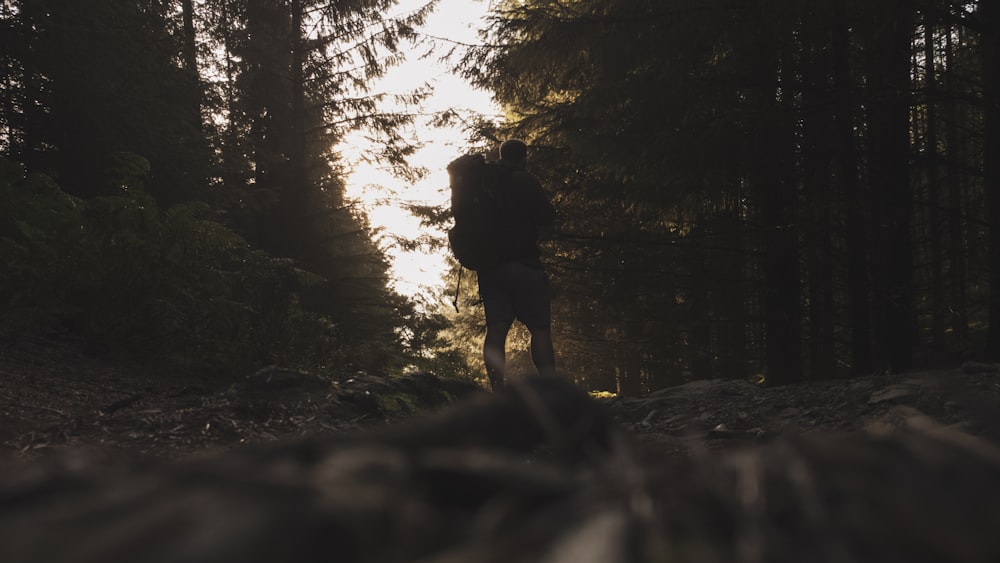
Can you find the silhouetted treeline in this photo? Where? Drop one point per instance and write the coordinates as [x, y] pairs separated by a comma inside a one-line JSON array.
[[171, 186], [795, 190], [799, 190]]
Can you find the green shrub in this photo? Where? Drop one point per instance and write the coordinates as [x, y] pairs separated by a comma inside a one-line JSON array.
[[128, 277]]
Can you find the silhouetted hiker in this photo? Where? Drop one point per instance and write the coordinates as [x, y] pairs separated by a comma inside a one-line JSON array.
[[517, 287]]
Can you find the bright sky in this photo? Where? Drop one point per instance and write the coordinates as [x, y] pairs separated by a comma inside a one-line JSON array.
[[420, 273]]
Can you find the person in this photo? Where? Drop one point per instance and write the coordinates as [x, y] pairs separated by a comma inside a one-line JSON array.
[[516, 287]]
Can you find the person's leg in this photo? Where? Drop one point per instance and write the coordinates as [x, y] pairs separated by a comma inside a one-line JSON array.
[[499, 318], [533, 307], [495, 291], [495, 353], [542, 353]]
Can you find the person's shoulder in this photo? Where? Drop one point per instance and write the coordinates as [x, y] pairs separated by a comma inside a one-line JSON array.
[[522, 176]]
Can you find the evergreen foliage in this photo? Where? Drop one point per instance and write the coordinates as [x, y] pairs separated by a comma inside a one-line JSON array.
[[98, 78], [128, 278], [172, 190], [790, 190], [756, 187]]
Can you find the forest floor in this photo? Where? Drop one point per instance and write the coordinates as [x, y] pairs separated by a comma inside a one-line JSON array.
[[53, 398], [879, 468]]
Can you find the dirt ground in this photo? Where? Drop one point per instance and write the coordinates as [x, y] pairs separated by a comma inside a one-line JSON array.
[[722, 413], [711, 471], [53, 397]]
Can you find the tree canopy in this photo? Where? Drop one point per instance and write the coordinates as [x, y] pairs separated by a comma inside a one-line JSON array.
[[790, 190], [172, 175], [753, 189]]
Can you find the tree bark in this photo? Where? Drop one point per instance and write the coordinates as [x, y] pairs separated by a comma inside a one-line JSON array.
[[189, 52], [852, 195], [817, 132], [956, 239], [932, 158], [266, 91], [889, 161], [774, 179], [989, 13]]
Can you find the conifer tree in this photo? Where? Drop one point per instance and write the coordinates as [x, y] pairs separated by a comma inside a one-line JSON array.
[[739, 179]]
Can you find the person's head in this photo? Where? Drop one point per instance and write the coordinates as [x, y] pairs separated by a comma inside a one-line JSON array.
[[513, 151]]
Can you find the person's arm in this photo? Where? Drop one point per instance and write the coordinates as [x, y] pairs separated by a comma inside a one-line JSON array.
[[539, 208]]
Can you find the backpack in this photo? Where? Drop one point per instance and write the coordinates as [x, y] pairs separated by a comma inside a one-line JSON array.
[[473, 182]]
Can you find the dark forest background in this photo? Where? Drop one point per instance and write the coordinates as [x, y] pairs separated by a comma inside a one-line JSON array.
[[172, 189], [747, 188]]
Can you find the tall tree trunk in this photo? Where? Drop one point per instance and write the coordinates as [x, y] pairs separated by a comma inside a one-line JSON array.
[[699, 335], [989, 12], [931, 155], [193, 135], [297, 155], [189, 49], [774, 179], [731, 320], [851, 194], [235, 175], [892, 201], [267, 98], [956, 240], [816, 181], [297, 215]]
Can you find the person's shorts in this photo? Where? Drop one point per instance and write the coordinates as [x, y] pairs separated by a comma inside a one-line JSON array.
[[513, 291]]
